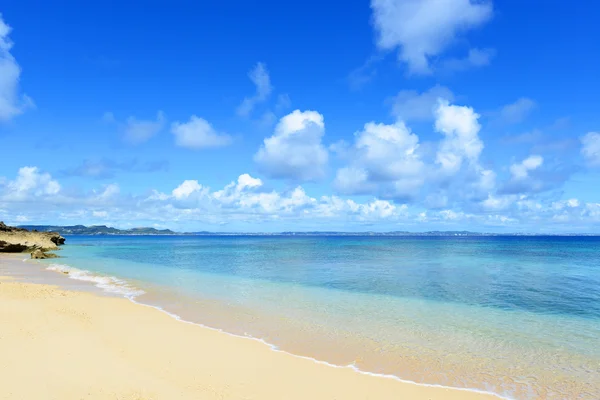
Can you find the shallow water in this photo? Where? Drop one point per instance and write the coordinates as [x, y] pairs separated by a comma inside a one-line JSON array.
[[518, 316]]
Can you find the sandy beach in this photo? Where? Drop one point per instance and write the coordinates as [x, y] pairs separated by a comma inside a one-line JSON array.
[[59, 344]]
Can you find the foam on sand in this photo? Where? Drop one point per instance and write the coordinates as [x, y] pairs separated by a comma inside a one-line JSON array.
[[113, 348], [110, 284]]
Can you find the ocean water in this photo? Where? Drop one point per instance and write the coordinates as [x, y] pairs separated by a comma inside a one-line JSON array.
[[516, 316]]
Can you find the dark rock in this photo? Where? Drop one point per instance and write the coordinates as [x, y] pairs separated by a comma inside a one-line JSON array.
[[57, 239], [6, 247], [39, 255]]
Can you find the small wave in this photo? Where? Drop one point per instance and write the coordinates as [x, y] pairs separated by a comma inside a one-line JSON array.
[[351, 366], [109, 284], [118, 286]]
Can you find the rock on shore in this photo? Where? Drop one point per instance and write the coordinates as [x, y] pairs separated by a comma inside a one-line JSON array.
[[39, 254], [17, 240]]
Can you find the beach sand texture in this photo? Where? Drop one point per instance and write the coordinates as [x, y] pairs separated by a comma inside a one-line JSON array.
[[58, 344]]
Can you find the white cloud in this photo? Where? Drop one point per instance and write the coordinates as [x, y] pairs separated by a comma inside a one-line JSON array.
[[388, 161], [110, 192], [410, 105], [36, 196], [246, 199], [186, 189], [460, 127], [246, 181], [295, 150], [198, 133], [516, 112], [260, 77], [591, 148], [533, 175], [458, 166], [232, 191], [422, 29], [521, 170], [379, 208], [384, 160], [353, 180], [12, 103], [570, 203], [496, 203], [31, 182]]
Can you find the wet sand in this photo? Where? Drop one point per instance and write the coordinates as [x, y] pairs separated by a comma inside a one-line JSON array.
[[70, 344]]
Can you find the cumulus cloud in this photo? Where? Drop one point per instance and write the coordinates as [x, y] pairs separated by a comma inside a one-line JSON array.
[[498, 203], [248, 197], [385, 161], [34, 195], [591, 148], [186, 189], [110, 191], [198, 133], [533, 175], [410, 105], [37, 195], [516, 112], [260, 77], [295, 150], [354, 180], [12, 102], [422, 29], [100, 214], [30, 181], [244, 200], [460, 127], [521, 170]]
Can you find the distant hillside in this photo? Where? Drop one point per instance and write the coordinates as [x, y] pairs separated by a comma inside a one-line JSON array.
[[107, 230], [97, 230]]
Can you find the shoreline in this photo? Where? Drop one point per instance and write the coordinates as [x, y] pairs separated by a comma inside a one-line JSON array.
[[391, 386], [352, 367]]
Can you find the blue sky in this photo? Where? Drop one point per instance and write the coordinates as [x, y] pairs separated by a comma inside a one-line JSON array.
[[265, 116]]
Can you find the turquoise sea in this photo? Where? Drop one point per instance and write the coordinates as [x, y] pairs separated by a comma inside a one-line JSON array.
[[517, 316]]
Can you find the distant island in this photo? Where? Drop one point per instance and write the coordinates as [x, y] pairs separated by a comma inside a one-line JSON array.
[[107, 230], [97, 230]]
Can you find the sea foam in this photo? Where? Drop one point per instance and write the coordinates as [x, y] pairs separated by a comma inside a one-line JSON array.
[[110, 284], [121, 287]]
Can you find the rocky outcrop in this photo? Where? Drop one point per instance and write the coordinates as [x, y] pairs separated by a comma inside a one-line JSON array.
[[17, 240], [39, 255], [6, 247]]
